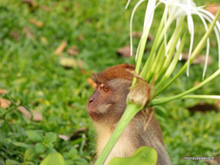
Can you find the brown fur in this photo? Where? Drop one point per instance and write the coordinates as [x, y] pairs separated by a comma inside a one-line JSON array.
[[118, 71]]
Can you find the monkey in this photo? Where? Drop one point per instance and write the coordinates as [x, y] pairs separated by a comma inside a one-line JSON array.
[[106, 106]]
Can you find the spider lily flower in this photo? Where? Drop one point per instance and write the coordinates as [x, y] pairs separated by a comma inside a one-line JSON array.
[[175, 10], [180, 8]]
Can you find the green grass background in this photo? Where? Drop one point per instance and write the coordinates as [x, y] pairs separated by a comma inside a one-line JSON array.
[[34, 78]]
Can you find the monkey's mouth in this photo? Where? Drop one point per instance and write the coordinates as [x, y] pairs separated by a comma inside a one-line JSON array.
[[94, 115]]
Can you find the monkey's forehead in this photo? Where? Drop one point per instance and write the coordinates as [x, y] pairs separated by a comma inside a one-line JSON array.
[[119, 71]]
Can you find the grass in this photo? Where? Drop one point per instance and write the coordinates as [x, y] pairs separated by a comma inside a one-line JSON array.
[[34, 78]]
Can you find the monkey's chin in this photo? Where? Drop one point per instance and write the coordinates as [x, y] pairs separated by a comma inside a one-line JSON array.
[[94, 115]]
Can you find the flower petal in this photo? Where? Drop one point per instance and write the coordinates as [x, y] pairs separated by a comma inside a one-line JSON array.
[[131, 21], [209, 17], [191, 30], [149, 15]]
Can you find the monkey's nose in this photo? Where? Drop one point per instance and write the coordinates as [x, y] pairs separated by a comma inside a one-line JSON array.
[[90, 100]]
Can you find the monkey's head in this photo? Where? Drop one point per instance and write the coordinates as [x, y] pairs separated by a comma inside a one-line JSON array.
[[108, 102]]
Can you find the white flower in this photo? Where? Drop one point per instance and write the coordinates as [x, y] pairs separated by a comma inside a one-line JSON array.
[[177, 8], [180, 8], [174, 10]]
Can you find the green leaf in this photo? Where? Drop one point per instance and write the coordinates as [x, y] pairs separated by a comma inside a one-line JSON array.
[[54, 158], [143, 156], [39, 148], [34, 136], [20, 144], [11, 162], [51, 150], [50, 137], [30, 154], [81, 161]]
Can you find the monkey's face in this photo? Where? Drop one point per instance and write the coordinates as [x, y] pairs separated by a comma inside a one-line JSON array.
[[108, 102]]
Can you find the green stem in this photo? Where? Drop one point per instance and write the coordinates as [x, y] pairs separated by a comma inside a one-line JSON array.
[[157, 41], [158, 65], [140, 51], [195, 53], [215, 97], [172, 66], [167, 99], [171, 45], [171, 49], [151, 60], [131, 110], [158, 62]]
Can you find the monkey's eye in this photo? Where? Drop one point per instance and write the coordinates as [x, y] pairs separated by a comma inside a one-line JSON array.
[[106, 89]]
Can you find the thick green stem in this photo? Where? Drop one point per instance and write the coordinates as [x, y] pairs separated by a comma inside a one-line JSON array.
[[167, 99], [131, 110], [195, 53]]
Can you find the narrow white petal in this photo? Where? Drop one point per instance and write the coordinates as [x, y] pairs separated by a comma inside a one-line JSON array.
[[165, 33], [127, 4], [208, 40], [191, 30], [210, 17], [131, 21], [206, 58], [181, 54], [149, 13]]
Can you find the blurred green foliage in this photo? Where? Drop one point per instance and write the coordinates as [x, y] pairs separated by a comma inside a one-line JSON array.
[[31, 31]]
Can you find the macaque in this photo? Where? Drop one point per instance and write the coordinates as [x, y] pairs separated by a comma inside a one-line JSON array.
[[106, 106]]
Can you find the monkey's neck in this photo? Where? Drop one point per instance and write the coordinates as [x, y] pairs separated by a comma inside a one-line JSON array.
[[104, 133], [124, 146]]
